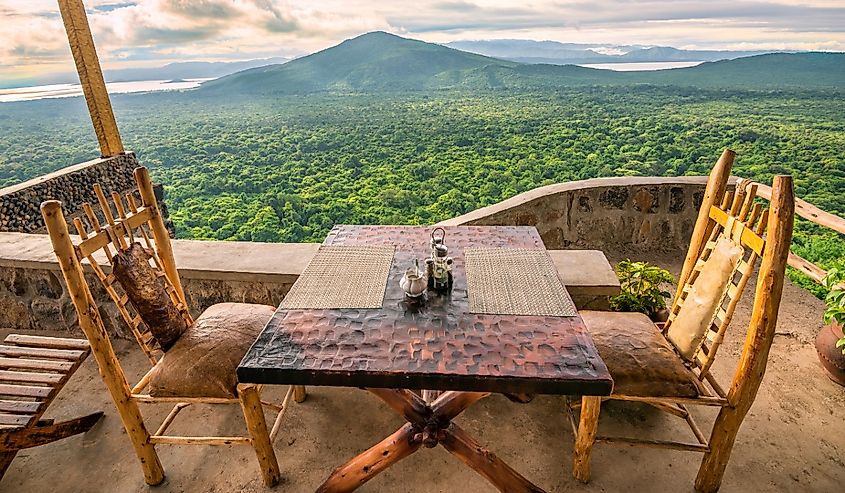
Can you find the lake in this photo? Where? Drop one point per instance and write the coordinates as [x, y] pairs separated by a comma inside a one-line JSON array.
[[70, 90], [632, 66]]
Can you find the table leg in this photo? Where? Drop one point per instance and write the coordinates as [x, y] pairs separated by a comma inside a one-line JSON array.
[[376, 459], [429, 424], [587, 427], [463, 446]]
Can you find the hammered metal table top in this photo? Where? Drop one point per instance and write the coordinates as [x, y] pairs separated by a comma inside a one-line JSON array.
[[437, 345]]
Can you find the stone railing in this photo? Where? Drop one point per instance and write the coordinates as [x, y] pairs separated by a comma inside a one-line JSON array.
[[610, 214], [33, 294], [20, 204], [620, 216]]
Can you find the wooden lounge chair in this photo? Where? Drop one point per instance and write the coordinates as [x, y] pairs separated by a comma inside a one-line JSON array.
[[656, 366], [33, 370], [194, 365]]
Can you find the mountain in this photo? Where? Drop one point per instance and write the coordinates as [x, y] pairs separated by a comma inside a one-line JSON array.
[[188, 70], [553, 52], [384, 62], [372, 61]]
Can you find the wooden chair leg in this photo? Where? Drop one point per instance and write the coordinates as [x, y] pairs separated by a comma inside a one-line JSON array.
[[587, 427], [260, 437], [299, 393], [95, 331]]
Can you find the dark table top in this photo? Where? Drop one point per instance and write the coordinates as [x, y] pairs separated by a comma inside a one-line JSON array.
[[436, 345]]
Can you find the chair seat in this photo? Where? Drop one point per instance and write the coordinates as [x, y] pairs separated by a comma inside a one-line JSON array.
[[640, 360], [203, 360]]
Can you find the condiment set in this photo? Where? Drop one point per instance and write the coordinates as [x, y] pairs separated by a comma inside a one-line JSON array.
[[437, 275]]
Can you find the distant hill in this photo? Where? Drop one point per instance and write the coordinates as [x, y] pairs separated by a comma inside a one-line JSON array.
[[372, 61], [188, 70], [384, 62], [553, 52]]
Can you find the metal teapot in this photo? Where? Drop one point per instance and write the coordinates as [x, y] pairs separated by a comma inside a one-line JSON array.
[[415, 281]]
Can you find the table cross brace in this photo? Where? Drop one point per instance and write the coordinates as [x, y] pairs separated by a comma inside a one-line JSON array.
[[429, 424]]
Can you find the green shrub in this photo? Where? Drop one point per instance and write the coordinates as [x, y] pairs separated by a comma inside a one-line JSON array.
[[835, 299], [642, 287]]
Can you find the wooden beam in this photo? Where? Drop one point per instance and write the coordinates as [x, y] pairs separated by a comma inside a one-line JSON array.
[[808, 211], [91, 76], [42, 435]]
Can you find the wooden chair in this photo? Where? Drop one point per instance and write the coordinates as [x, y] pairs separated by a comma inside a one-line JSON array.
[[127, 221], [648, 368], [33, 370]]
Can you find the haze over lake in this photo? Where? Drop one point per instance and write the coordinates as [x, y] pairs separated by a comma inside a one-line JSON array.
[[632, 66], [33, 93]]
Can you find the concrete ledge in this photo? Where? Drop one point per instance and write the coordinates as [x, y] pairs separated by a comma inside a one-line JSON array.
[[33, 294], [217, 260], [588, 277]]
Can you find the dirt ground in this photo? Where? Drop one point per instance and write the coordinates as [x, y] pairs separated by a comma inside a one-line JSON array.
[[792, 440]]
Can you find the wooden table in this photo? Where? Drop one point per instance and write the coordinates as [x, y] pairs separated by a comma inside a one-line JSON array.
[[457, 356]]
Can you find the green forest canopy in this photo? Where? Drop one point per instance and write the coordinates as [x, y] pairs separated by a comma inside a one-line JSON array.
[[287, 168]]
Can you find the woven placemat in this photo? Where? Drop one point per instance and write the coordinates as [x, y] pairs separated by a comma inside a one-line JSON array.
[[515, 281], [342, 277]]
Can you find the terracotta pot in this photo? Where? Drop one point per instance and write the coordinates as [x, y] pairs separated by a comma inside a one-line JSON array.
[[660, 316], [830, 356]]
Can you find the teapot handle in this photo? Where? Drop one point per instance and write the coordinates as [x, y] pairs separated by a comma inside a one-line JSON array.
[[442, 234]]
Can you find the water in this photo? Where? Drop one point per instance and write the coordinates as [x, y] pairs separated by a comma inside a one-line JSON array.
[[631, 66], [70, 90]]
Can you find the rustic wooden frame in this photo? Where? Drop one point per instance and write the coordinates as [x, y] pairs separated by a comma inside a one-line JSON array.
[[124, 223], [764, 234], [33, 370]]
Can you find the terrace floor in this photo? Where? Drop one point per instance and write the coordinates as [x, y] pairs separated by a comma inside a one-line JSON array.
[[792, 440]]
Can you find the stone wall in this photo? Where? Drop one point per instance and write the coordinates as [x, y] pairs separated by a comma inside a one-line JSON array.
[[20, 204], [616, 215], [36, 298], [619, 216], [33, 295]]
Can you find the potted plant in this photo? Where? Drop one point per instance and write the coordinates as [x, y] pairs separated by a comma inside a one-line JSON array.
[[830, 342], [642, 289]]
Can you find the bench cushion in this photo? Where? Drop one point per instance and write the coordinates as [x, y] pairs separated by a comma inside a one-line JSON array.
[[640, 360], [203, 361]]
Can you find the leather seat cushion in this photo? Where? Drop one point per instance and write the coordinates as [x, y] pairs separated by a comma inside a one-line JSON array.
[[640, 360], [148, 294], [203, 361]]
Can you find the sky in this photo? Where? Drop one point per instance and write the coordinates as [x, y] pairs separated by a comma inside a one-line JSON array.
[[144, 33]]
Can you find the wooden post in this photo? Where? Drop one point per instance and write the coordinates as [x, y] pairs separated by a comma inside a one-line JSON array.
[[91, 76], [95, 331], [257, 426], [587, 428], [761, 332], [299, 393], [716, 185], [160, 233]]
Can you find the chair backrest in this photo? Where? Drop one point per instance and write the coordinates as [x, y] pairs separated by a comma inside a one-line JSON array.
[[743, 221], [122, 220]]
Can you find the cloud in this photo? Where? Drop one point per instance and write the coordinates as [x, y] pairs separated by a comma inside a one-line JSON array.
[[32, 37]]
